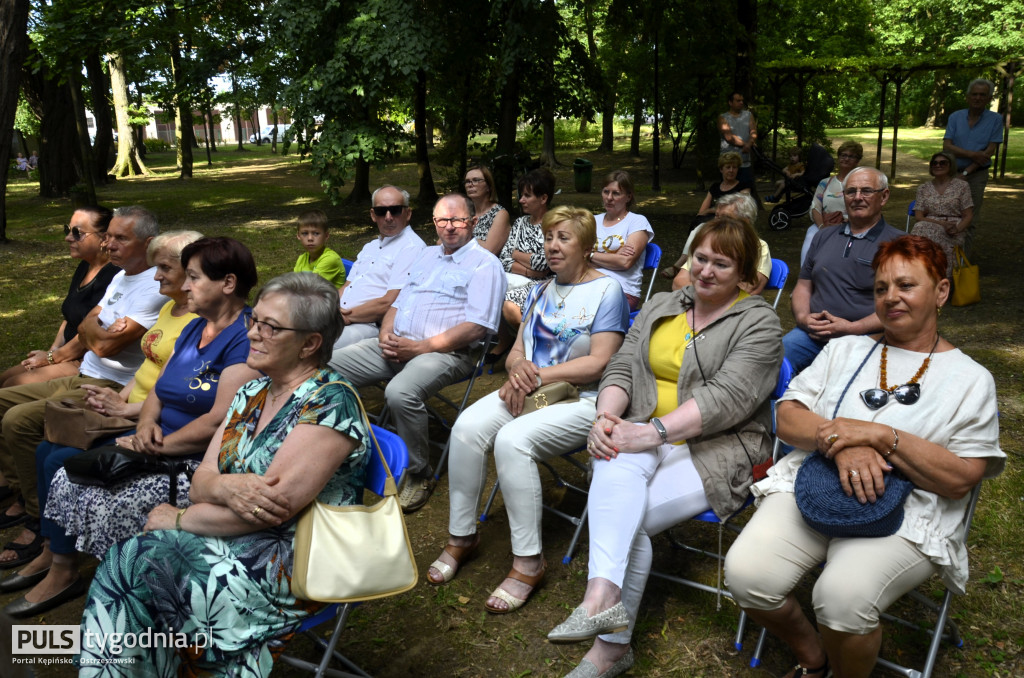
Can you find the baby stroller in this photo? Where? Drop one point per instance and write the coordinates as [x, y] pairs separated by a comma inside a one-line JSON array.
[[799, 191]]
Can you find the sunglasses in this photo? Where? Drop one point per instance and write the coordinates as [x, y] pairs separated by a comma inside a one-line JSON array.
[[395, 210], [939, 163], [876, 398], [77, 233]]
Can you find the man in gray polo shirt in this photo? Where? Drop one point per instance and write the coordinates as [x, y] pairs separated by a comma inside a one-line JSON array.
[[834, 296]]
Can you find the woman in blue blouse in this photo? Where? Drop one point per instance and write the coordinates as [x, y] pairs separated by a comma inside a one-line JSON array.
[[571, 327], [178, 418]]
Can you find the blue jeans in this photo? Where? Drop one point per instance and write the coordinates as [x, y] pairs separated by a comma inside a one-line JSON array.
[[50, 459], [800, 349]]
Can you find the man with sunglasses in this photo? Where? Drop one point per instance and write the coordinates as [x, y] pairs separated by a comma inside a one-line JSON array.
[[972, 135], [111, 333], [834, 295], [451, 302], [381, 269]]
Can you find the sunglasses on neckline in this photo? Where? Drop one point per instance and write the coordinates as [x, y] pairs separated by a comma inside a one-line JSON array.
[[876, 398]]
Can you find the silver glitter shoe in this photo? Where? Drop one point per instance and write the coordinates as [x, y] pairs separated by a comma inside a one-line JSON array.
[[579, 627], [587, 670]]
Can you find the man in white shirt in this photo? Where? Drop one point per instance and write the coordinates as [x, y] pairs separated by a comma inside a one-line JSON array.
[[111, 333], [381, 269], [452, 300]]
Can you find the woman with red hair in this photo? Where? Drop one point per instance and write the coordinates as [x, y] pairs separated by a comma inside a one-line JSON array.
[[906, 400]]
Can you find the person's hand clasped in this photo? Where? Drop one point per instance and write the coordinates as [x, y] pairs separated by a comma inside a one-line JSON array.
[[162, 517], [254, 498], [862, 472], [611, 436], [836, 435], [118, 325], [512, 397], [34, 360], [824, 326], [104, 400], [398, 349], [832, 218]]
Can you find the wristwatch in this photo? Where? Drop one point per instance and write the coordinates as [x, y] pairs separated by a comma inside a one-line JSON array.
[[660, 428], [965, 173]]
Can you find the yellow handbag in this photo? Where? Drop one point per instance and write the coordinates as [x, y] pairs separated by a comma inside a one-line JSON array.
[[966, 286], [346, 554]]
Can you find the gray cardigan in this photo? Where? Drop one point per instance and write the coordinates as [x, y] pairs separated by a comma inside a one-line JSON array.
[[740, 354]]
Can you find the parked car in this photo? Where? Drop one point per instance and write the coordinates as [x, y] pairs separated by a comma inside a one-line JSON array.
[[268, 131]]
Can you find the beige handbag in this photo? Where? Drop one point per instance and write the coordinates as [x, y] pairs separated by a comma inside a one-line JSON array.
[[550, 394], [72, 423], [346, 554]]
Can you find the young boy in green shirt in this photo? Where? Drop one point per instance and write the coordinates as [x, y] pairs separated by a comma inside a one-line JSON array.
[[318, 258]]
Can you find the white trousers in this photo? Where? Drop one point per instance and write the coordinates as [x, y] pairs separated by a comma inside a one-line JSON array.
[[633, 497], [518, 444]]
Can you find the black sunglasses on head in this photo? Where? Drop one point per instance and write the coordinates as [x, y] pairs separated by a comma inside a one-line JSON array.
[[875, 398], [395, 210]]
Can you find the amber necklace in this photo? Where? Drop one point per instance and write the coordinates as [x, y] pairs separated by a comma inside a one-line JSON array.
[[883, 384]]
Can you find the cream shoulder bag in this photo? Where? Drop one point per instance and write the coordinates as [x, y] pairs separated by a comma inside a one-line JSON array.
[[346, 554]]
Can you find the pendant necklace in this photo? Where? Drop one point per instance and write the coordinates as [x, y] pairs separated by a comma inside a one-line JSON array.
[[561, 303]]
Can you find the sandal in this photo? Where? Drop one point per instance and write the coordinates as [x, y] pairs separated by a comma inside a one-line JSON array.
[[6, 492], [26, 552], [460, 554], [799, 671], [670, 272], [515, 603], [8, 520]]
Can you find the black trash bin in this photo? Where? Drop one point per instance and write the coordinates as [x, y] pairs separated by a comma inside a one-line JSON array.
[[583, 173]]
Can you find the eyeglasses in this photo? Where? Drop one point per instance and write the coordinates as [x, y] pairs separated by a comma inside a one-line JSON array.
[[939, 163], [474, 181], [77, 233], [875, 398], [395, 210], [265, 329], [866, 192], [454, 222], [848, 156]]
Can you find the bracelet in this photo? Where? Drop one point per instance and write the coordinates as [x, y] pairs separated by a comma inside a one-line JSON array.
[[895, 442], [49, 357], [177, 520]]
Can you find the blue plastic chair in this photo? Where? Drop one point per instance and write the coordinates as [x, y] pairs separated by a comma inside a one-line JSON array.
[[347, 263], [777, 281], [397, 457], [910, 215], [652, 259]]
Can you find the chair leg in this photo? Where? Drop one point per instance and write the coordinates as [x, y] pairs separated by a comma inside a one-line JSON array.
[[741, 627], [755, 659], [580, 522], [490, 502]]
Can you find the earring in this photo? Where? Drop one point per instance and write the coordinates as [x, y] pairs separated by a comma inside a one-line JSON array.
[[938, 310]]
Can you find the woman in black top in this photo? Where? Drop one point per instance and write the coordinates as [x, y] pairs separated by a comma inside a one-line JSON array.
[[85, 236]]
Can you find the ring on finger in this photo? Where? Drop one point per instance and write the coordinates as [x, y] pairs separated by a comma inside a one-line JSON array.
[[832, 438], [256, 511], [854, 474]]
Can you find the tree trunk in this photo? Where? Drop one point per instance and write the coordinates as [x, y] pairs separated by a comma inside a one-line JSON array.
[[505, 144], [13, 50], [129, 161], [746, 47], [934, 116], [86, 193], [183, 133], [360, 184], [547, 152], [59, 166], [608, 120], [208, 109], [638, 120], [238, 111], [428, 193], [98, 83], [273, 135]]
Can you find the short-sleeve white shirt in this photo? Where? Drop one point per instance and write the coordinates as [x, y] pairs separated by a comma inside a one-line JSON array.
[[445, 290], [957, 410], [611, 238], [383, 264], [133, 296]]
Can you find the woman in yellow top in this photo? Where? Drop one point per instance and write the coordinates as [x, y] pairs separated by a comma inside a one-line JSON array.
[[683, 417]]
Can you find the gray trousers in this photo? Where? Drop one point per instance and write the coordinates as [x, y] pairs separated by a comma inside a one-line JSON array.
[[977, 181], [409, 385]]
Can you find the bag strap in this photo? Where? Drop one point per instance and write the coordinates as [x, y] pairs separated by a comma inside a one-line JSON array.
[[390, 487], [960, 258]]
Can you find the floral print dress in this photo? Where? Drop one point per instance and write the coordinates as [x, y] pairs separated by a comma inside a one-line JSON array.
[[229, 596], [948, 206]]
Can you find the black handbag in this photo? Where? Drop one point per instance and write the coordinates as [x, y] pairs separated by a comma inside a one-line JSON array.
[[110, 465]]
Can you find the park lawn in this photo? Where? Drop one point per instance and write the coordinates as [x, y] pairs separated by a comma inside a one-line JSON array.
[[429, 631]]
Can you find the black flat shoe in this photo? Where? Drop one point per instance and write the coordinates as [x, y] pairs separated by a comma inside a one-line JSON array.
[[26, 552], [17, 582], [10, 521], [5, 492], [21, 608]]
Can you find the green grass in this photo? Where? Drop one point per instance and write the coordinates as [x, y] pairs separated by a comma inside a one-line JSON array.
[[255, 196]]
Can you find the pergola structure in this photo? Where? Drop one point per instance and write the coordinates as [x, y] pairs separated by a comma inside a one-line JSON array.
[[886, 70]]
